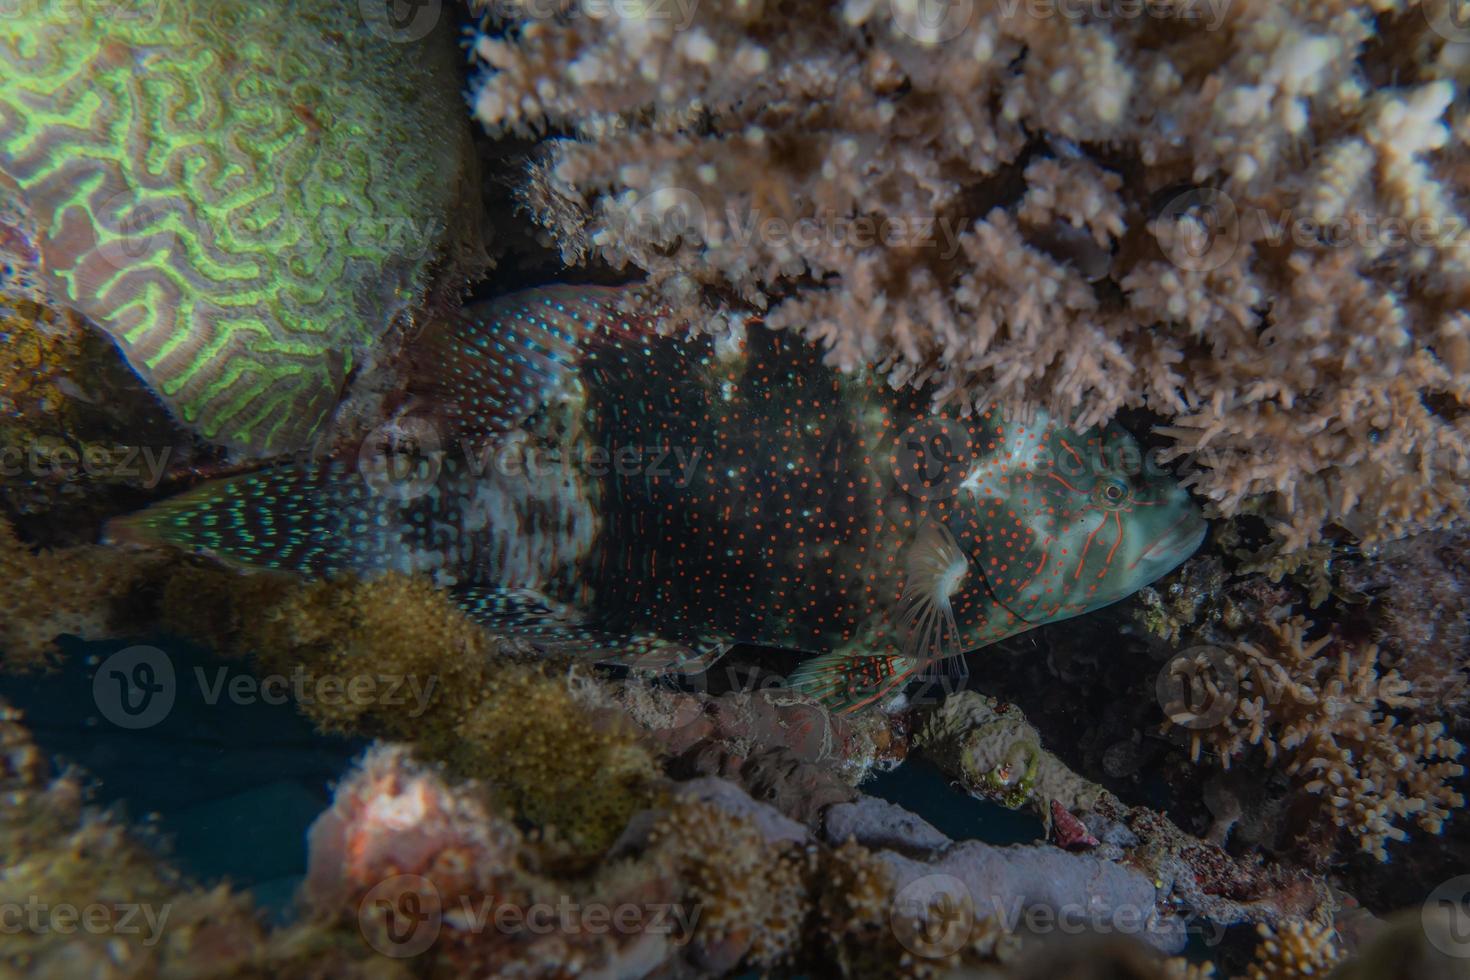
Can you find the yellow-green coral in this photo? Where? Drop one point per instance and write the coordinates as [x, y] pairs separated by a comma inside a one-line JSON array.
[[248, 197], [79, 591], [458, 700]]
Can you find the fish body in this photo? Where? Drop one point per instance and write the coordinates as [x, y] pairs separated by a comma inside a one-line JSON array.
[[592, 482]]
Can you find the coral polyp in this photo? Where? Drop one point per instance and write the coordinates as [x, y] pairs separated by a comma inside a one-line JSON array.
[[248, 198]]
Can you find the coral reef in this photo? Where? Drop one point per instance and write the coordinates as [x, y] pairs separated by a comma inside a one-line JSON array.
[[458, 699], [1244, 220], [1422, 588], [975, 741], [80, 591], [1323, 710], [74, 420], [259, 214], [86, 897], [1296, 949]]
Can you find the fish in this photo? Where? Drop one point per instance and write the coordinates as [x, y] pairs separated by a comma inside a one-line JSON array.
[[578, 476]]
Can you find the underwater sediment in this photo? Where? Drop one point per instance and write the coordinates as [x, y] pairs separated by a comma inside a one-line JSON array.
[[743, 613]]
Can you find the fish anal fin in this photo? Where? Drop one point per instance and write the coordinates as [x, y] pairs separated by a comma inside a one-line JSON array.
[[559, 629], [844, 680]]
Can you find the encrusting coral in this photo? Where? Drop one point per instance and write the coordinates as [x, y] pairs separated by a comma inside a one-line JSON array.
[[78, 590], [1245, 219]]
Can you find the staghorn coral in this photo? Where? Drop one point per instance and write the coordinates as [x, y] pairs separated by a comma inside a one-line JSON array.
[[249, 214], [1245, 219], [1324, 711], [1293, 949]]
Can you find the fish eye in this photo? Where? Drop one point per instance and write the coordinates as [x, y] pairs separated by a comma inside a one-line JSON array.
[[1112, 491]]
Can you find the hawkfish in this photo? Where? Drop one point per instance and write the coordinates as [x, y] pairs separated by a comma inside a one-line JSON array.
[[585, 481]]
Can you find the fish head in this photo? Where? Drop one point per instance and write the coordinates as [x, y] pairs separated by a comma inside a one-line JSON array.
[[1061, 522]]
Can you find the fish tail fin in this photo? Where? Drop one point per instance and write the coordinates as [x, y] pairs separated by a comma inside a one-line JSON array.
[[486, 370], [310, 518], [844, 682]]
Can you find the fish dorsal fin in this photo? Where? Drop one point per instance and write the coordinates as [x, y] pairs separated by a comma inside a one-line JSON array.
[[934, 567], [486, 370]]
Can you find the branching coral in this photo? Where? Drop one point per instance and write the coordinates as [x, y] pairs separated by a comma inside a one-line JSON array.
[[1244, 218], [1295, 949], [1324, 710]]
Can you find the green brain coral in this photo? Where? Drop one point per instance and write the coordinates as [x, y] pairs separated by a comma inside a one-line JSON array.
[[247, 196]]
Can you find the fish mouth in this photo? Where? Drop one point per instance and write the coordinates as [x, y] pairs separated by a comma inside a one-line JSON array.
[[1179, 540]]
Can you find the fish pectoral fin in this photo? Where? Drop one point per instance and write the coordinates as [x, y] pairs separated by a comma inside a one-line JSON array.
[[845, 680], [557, 628], [934, 567]]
